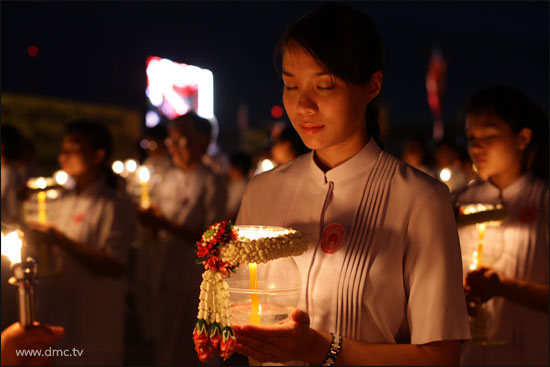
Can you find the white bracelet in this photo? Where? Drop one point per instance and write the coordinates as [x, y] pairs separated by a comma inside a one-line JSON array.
[[335, 347]]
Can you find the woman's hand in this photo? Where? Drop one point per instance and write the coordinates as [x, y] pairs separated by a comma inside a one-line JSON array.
[[40, 234], [482, 284], [289, 340], [151, 217]]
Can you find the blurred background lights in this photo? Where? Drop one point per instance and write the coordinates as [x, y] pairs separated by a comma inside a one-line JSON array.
[[445, 174], [61, 177], [118, 167], [277, 112], [130, 165], [32, 51], [152, 119]]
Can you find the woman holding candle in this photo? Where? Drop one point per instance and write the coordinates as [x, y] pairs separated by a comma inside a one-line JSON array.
[[90, 236], [504, 130], [382, 280], [189, 198]]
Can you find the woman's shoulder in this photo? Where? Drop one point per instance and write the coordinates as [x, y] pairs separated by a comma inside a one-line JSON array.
[[287, 171], [417, 183]]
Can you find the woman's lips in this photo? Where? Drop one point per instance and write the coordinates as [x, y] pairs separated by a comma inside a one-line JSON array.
[[308, 128]]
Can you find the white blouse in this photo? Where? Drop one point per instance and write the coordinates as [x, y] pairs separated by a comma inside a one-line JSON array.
[[518, 249], [384, 264]]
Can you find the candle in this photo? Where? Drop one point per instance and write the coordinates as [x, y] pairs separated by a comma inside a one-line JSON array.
[[24, 275], [477, 258], [144, 177], [254, 297]]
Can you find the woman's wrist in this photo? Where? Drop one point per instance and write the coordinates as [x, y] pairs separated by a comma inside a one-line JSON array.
[[317, 347]]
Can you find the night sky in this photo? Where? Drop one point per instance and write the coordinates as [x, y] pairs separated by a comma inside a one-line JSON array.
[[96, 51]]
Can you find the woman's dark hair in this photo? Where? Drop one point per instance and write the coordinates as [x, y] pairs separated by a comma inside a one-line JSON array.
[[345, 41], [98, 137], [12, 143], [513, 107]]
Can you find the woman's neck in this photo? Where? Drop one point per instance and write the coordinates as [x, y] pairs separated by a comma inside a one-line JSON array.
[[333, 156], [508, 177], [84, 181]]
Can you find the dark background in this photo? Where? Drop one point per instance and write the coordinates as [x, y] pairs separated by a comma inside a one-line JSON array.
[[96, 51]]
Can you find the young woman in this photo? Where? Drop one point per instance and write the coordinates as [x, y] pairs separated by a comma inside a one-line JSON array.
[[383, 273], [503, 131], [90, 235]]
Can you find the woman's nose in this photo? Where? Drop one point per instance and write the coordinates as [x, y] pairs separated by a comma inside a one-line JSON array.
[[306, 104]]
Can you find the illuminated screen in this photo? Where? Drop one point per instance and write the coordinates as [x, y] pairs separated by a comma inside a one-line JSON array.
[[173, 89]]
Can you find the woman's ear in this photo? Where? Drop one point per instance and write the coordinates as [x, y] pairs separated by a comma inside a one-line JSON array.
[[374, 85], [524, 138]]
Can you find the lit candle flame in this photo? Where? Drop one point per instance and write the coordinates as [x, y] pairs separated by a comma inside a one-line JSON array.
[[445, 174], [41, 183], [144, 177], [118, 167], [11, 246], [61, 177], [144, 174], [130, 165]]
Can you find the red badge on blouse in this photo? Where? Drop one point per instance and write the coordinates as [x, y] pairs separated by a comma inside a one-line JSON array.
[[78, 217], [527, 214], [332, 238]]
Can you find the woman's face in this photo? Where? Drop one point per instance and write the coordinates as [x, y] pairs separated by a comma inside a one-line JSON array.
[[494, 148], [76, 156], [327, 113]]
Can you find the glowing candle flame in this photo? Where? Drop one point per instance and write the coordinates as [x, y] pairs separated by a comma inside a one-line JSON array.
[[130, 165], [144, 174], [144, 177], [41, 183], [118, 167], [445, 174], [61, 177], [267, 165], [11, 246]]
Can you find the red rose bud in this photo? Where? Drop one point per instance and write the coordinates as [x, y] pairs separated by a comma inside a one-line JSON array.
[[205, 353], [228, 343], [215, 334], [200, 334]]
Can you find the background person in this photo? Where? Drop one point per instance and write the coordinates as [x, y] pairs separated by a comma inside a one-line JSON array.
[[89, 236], [513, 284]]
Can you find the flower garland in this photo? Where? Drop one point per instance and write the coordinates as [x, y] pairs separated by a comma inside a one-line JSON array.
[[221, 251]]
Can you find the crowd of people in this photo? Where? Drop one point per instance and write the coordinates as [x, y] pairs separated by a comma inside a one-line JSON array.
[[393, 289]]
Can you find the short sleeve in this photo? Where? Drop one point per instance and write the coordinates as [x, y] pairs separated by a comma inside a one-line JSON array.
[[118, 228], [436, 308]]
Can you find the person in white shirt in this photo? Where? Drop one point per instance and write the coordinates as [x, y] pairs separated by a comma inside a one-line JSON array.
[[188, 200], [90, 236], [383, 272], [512, 283]]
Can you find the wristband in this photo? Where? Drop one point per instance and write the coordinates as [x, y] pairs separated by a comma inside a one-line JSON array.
[[335, 347]]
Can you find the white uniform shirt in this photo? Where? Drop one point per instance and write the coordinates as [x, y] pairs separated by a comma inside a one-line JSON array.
[[88, 305], [387, 268], [517, 249], [196, 198]]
